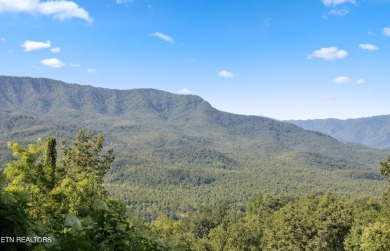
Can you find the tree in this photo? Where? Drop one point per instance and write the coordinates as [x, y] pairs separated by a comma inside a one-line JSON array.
[[57, 188], [13, 218], [385, 170], [314, 223], [51, 191], [241, 234], [376, 237], [174, 231], [81, 172]]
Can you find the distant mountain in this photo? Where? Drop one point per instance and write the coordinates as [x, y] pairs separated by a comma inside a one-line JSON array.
[[372, 131], [176, 151]]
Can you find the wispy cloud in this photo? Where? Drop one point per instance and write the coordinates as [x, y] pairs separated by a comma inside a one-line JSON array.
[[185, 91], [74, 65], [342, 80], [55, 50], [330, 3], [386, 31], [32, 45], [329, 53], [339, 12], [346, 80], [368, 47], [339, 7], [226, 74], [361, 81], [91, 70], [53, 62], [123, 1], [2, 39], [163, 37], [61, 9]]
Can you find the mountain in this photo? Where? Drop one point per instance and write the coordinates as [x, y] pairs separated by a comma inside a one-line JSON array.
[[175, 152], [371, 131]]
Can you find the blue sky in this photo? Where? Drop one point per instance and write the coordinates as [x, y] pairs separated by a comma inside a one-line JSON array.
[[285, 59]]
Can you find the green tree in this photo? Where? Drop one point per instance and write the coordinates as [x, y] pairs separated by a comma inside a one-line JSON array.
[[240, 234], [14, 221], [376, 237], [80, 173], [206, 218], [50, 162], [373, 234], [385, 170], [314, 223], [366, 212], [49, 192], [27, 176], [174, 231]]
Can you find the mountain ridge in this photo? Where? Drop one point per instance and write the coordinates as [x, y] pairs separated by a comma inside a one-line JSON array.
[[172, 150], [370, 131]]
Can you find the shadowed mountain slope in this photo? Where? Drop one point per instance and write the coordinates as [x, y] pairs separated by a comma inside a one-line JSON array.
[[371, 131]]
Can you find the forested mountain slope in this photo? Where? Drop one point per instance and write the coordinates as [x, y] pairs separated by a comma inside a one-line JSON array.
[[371, 131], [176, 151]]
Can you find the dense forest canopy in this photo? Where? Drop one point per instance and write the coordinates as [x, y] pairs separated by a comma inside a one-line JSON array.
[[176, 152], [59, 199]]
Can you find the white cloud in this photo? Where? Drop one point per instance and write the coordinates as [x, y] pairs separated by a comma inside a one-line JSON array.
[[369, 47], [74, 65], [226, 74], [91, 70], [342, 80], [55, 50], [123, 1], [52, 62], [339, 12], [361, 81], [163, 37], [330, 53], [31, 45], [386, 31], [61, 9], [337, 2], [185, 91], [2, 39]]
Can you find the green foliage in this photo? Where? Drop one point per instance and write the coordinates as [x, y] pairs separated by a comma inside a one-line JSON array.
[[105, 229], [13, 219], [319, 223], [176, 152], [376, 237], [66, 200], [82, 169], [241, 233], [385, 168], [206, 218], [371, 229], [179, 156], [175, 231], [315, 222]]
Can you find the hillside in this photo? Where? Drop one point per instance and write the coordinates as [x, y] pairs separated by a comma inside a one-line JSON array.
[[371, 131], [174, 152]]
